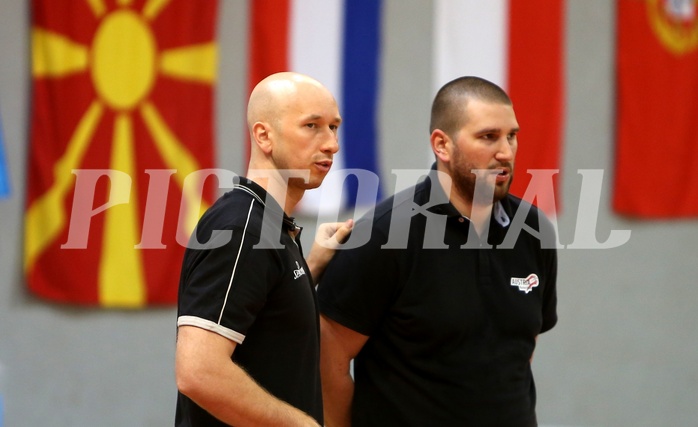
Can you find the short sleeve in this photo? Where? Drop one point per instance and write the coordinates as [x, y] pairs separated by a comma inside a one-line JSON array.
[[224, 288], [359, 285]]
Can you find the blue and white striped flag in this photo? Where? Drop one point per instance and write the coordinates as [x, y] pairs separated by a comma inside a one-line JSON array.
[[337, 42]]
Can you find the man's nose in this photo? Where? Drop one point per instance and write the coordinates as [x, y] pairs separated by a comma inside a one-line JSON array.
[[506, 151], [330, 143]]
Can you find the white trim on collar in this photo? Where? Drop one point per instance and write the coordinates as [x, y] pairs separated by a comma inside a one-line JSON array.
[[500, 215]]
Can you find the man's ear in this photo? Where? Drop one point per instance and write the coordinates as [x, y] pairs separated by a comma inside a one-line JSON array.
[[440, 145], [261, 135]]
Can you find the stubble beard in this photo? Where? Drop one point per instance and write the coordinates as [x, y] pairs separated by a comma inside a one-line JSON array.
[[282, 165], [464, 181]]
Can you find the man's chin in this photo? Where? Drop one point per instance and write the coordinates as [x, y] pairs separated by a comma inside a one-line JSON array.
[[501, 192], [313, 183]]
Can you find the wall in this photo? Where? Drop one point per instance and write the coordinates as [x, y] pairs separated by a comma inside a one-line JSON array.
[[625, 352]]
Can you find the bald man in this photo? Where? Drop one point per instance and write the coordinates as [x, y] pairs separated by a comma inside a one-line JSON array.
[[247, 327]]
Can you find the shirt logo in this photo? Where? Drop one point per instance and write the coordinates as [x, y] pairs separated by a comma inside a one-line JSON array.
[[298, 272], [525, 285]]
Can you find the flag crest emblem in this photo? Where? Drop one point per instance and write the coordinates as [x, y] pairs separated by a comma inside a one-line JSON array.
[[675, 23]]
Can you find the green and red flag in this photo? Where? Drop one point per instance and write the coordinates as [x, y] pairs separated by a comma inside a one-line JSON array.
[[122, 95]]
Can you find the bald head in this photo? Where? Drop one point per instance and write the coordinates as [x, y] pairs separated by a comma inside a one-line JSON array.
[[274, 95], [293, 122]]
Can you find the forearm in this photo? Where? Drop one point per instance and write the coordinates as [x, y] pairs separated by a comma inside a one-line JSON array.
[[337, 394], [339, 345], [235, 398], [316, 265], [327, 239], [205, 373]]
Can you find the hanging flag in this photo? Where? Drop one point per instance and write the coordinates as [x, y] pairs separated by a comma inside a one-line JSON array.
[[657, 106], [517, 44], [337, 42], [4, 170], [121, 116]]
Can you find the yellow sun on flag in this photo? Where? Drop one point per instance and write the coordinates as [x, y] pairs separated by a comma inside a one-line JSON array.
[[123, 63]]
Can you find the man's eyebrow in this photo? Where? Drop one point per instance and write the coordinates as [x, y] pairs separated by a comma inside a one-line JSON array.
[[337, 119], [497, 130], [489, 130]]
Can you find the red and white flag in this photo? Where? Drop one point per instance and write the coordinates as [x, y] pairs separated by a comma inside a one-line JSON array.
[[515, 43], [519, 45], [337, 42]]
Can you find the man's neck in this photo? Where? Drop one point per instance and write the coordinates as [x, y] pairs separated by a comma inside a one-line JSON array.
[[277, 186]]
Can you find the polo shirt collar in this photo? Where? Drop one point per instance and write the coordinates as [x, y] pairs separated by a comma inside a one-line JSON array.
[[499, 213], [263, 197]]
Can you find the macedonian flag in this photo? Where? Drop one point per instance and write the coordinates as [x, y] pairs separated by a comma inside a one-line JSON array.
[[121, 129]]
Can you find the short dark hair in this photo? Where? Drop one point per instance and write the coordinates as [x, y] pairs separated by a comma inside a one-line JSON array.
[[448, 108]]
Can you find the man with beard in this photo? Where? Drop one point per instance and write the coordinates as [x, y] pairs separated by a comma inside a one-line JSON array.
[[441, 320]]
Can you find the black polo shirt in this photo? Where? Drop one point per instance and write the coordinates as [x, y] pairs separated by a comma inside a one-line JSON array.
[[451, 330], [261, 298]]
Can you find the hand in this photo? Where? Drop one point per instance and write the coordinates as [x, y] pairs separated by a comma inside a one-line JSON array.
[[331, 234], [328, 238]]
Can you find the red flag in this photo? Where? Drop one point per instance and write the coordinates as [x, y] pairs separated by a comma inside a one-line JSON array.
[[122, 98], [657, 106], [519, 45], [535, 84], [268, 42]]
